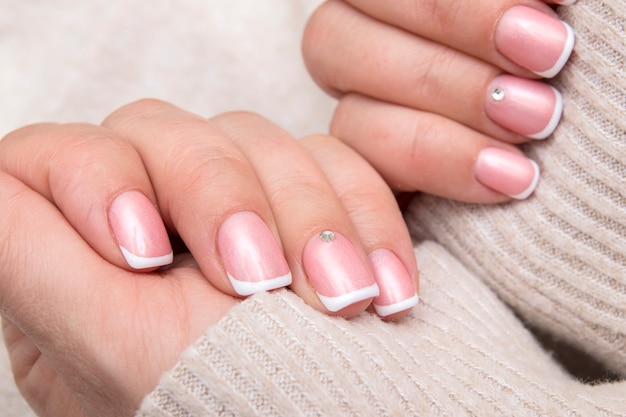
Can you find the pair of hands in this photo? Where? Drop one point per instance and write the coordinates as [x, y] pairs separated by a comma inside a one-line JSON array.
[[236, 189], [89, 335]]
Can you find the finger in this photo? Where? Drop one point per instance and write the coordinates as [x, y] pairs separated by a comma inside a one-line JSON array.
[[209, 194], [99, 183], [351, 52], [507, 33], [330, 268], [368, 199], [417, 151]]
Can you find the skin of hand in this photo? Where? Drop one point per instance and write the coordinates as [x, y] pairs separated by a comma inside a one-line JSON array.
[[90, 327], [435, 94]]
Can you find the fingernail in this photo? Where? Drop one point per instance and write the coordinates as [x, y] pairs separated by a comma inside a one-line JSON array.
[[139, 231], [253, 260], [507, 172], [564, 2], [530, 108], [534, 40], [338, 274], [397, 292]]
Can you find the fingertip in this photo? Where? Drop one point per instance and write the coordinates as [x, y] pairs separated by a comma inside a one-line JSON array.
[[526, 107], [139, 231], [398, 289], [524, 30], [251, 256], [337, 273], [507, 172]]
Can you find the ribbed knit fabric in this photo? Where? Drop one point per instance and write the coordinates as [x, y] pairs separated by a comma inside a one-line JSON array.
[[461, 353], [559, 258]]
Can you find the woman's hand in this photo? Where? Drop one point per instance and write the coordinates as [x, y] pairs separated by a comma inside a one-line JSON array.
[[91, 321], [423, 93]]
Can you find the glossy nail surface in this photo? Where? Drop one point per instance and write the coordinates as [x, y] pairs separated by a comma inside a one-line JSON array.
[[527, 107], [139, 231], [534, 40], [336, 271], [507, 172], [253, 260], [397, 291]]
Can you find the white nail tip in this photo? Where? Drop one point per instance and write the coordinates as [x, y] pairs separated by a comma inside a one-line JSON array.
[[246, 288], [141, 262], [386, 311], [567, 51], [531, 188], [554, 120], [340, 302]]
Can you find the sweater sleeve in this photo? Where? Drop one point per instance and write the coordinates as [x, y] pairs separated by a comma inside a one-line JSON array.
[[461, 352], [558, 258]]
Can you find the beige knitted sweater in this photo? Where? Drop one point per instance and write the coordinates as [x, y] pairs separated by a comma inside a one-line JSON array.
[[555, 263]]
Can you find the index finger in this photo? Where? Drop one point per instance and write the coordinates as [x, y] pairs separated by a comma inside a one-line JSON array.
[[521, 37]]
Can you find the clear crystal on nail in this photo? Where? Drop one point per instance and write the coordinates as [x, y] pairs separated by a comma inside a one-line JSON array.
[[498, 94], [327, 236]]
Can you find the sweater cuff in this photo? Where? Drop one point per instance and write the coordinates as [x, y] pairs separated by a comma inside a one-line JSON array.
[[271, 350], [460, 352]]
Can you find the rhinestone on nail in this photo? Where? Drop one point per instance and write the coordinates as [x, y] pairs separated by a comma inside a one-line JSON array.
[[498, 94], [327, 236]]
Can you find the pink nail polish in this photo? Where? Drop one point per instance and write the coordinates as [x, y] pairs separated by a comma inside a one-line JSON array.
[[507, 172], [253, 260], [139, 231], [338, 274], [534, 40], [530, 108], [397, 292]]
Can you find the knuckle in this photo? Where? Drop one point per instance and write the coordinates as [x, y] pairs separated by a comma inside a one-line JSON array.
[[205, 168], [320, 139], [430, 84], [82, 151], [315, 31], [286, 192], [320, 35], [239, 116], [344, 116], [440, 16], [141, 108]]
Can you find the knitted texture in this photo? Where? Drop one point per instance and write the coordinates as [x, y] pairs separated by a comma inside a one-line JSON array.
[[461, 353], [559, 258]]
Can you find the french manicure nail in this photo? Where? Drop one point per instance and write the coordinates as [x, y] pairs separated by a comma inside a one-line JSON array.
[[534, 40], [530, 108], [139, 231], [253, 260], [397, 292], [336, 271], [507, 172]]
